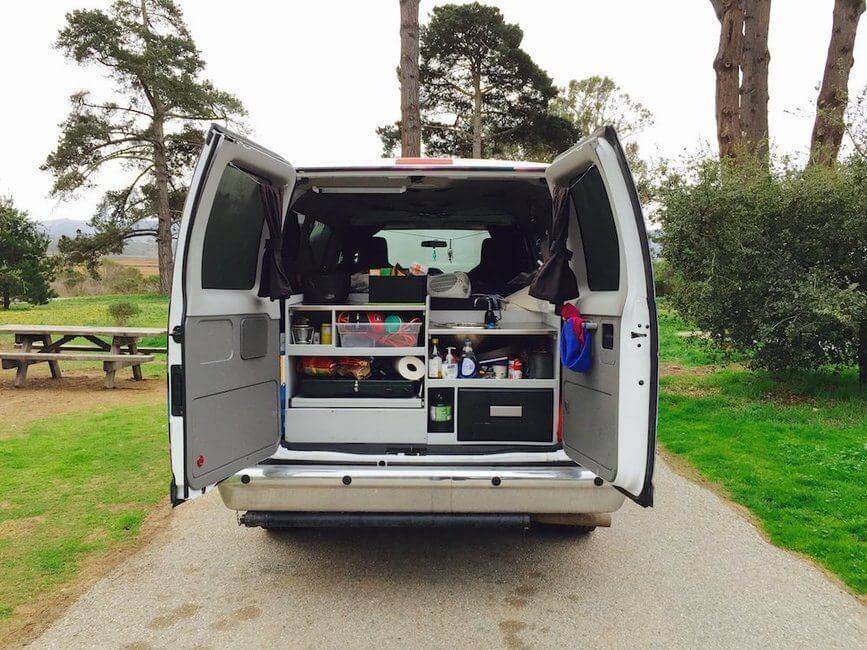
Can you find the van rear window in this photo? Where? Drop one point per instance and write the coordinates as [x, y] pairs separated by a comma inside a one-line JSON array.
[[230, 253], [598, 231]]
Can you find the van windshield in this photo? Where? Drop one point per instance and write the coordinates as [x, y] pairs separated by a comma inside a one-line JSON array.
[[446, 250]]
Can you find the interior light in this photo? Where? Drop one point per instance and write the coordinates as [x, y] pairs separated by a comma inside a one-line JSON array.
[[398, 189]]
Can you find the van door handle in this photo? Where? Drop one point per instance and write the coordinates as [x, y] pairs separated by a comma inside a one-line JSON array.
[[636, 335], [506, 411]]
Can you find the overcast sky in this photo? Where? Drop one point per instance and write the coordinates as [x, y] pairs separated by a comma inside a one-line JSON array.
[[318, 76]]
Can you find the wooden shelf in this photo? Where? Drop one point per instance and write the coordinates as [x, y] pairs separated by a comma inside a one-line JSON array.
[[492, 383], [367, 306], [356, 402], [319, 350], [501, 329]]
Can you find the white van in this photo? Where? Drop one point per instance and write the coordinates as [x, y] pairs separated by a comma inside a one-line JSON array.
[[553, 446]]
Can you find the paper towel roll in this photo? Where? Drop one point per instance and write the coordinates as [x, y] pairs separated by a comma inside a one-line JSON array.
[[409, 368]]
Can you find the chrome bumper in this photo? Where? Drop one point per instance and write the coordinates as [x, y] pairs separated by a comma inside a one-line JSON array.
[[358, 488]]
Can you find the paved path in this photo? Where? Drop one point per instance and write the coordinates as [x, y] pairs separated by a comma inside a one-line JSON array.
[[690, 572]]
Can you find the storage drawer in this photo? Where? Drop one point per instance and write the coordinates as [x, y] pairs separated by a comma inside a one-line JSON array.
[[505, 415]]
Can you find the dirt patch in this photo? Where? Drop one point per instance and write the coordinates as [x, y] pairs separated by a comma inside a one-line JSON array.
[[677, 370], [18, 527], [176, 615], [240, 615], [511, 631], [76, 390]]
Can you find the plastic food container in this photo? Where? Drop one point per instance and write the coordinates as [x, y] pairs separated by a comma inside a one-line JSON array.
[[378, 335]]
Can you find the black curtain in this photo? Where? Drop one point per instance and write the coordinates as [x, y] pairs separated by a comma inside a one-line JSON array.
[[555, 281], [280, 247]]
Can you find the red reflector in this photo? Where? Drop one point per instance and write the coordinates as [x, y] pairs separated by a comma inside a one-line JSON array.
[[200, 460], [424, 161]]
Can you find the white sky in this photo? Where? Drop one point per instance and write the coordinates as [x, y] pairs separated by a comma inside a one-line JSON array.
[[319, 77]]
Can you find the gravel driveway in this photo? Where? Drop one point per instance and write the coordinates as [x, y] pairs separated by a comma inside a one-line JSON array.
[[689, 572]]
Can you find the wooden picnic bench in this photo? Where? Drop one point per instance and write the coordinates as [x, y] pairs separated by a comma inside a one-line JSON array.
[[120, 352]]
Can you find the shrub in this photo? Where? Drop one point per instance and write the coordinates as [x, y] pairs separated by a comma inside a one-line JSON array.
[[771, 262], [663, 277], [117, 278], [122, 311]]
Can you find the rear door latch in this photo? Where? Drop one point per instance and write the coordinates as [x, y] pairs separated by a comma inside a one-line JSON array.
[[636, 335]]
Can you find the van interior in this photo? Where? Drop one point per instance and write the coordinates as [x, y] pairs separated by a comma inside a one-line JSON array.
[[492, 229]]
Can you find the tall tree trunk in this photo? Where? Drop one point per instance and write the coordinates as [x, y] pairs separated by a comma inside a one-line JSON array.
[[7, 300], [477, 115], [161, 181], [834, 92], [754, 89], [410, 119], [727, 67], [164, 213]]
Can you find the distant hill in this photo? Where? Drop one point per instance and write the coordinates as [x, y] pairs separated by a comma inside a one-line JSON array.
[[56, 228]]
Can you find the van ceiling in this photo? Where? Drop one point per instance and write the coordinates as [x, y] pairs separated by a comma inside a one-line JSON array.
[[427, 201]]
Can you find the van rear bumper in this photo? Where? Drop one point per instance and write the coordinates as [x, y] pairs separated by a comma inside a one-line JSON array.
[[359, 488]]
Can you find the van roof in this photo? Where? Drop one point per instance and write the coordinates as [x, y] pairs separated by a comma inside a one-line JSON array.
[[411, 164]]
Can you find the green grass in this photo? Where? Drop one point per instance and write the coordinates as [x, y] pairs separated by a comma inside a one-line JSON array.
[[791, 448], [92, 310], [72, 486], [683, 350]]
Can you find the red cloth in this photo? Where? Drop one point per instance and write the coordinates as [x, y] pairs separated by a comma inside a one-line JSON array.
[[569, 312]]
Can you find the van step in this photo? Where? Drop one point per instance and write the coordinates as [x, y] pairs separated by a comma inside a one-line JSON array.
[[270, 520]]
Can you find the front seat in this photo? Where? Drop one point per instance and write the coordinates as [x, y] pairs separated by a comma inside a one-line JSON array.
[[372, 254], [496, 266]]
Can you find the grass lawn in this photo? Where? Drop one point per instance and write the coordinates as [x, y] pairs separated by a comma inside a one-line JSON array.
[[792, 449], [74, 486]]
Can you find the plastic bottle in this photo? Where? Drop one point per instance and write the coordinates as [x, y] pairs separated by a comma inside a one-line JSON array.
[[450, 365], [435, 364], [440, 412], [469, 366]]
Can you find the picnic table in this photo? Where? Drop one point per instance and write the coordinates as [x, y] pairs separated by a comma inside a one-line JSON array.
[[116, 347]]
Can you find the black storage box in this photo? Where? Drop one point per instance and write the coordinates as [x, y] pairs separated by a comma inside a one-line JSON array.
[[390, 288], [505, 415], [325, 288], [324, 387]]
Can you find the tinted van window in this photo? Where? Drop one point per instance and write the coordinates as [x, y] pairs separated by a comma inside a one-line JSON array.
[[598, 232], [231, 250]]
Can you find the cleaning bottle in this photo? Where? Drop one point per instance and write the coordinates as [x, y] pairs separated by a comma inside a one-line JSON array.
[[435, 364], [469, 366], [450, 365]]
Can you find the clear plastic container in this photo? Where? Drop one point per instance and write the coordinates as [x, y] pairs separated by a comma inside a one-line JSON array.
[[378, 335]]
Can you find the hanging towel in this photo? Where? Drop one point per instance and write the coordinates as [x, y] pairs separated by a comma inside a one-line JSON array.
[[576, 344], [555, 281], [280, 247]]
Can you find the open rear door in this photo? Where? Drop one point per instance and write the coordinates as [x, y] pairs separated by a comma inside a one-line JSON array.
[[224, 340], [609, 423]]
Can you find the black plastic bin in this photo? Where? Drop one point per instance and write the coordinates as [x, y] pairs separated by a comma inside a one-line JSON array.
[[390, 288], [325, 387]]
